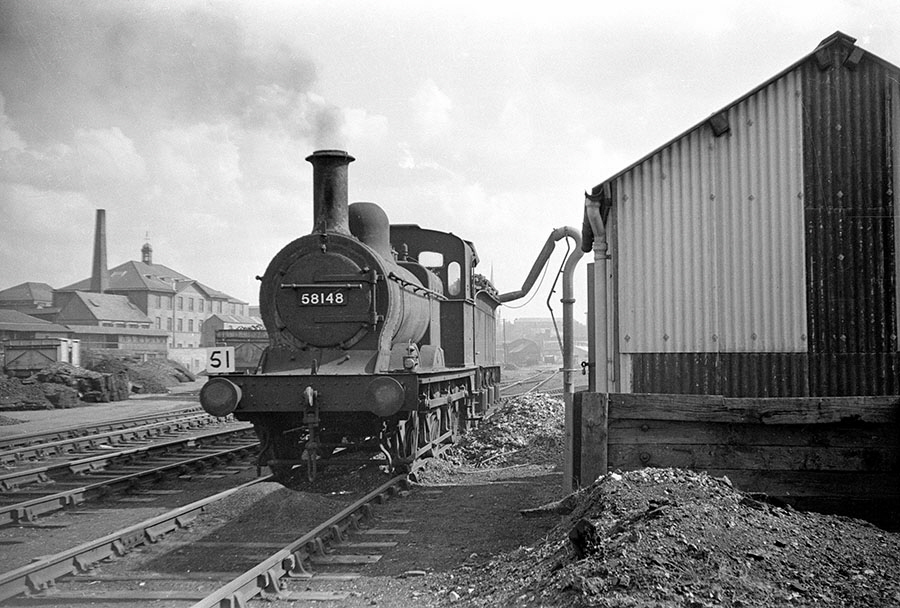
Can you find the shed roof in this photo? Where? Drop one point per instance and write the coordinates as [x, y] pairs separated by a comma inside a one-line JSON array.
[[111, 307], [28, 292], [13, 320]]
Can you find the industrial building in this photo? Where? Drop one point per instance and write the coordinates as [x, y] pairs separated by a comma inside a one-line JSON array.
[[754, 255]]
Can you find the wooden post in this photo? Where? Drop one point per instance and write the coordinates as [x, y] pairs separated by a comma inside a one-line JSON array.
[[594, 437]]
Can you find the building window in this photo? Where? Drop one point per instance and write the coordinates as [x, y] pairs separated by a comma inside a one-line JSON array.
[[190, 303], [199, 325], [158, 323], [180, 303], [180, 325], [201, 305], [190, 325], [169, 324], [219, 305]]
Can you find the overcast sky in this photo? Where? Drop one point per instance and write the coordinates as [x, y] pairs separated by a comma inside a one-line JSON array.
[[189, 121]]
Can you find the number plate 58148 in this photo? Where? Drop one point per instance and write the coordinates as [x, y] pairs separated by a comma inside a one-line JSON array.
[[323, 298]]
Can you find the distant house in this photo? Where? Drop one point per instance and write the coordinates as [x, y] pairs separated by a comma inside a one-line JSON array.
[[28, 344], [15, 325], [109, 322], [216, 322], [523, 352], [29, 298]]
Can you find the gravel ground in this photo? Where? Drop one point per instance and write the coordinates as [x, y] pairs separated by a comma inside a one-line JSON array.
[[503, 534]]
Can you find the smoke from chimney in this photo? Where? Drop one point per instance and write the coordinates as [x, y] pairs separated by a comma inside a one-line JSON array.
[[100, 273]]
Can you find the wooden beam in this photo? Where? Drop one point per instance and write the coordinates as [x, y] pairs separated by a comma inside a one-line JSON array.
[[594, 436], [776, 410]]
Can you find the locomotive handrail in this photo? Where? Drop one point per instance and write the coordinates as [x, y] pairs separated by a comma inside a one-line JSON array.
[[415, 287], [322, 285]]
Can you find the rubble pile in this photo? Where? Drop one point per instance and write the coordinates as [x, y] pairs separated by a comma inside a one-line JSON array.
[[154, 376], [527, 429], [65, 384], [663, 538], [14, 395], [672, 538], [62, 385]]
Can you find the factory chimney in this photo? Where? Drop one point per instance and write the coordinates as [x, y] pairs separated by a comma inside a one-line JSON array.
[[330, 208], [100, 273]]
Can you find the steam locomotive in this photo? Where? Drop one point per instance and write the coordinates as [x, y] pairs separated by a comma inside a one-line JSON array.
[[377, 334]]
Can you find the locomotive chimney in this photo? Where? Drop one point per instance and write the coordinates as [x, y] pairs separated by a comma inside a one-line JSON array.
[[330, 208], [100, 274]]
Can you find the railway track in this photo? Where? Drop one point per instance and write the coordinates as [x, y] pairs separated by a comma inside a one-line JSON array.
[[83, 573], [41, 446], [530, 384], [78, 469]]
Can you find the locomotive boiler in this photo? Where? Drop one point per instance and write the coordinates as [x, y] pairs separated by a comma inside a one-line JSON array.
[[378, 335]]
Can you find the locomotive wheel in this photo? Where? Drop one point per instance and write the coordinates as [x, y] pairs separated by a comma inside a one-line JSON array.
[[431, 431], [450, 421], [410, 443], [401, 440]]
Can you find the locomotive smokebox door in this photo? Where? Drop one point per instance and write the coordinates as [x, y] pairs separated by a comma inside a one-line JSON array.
[[325, 300]]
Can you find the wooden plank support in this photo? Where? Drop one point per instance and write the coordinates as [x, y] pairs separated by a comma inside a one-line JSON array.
[[837, 454], [594, 434]]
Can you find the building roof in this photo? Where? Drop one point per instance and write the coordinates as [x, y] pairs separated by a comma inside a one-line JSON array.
[[27, 292], [111, 307], [134, 275], [236, 319], [836, 38], [128, 331], [13, 320], [138, 276]]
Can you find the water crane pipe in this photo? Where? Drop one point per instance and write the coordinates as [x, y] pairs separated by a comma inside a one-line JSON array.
[[568, 301]]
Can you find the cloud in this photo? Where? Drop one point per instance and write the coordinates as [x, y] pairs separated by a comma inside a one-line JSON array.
[[9, 138], [83, 64], [97, 160], [431, 110]]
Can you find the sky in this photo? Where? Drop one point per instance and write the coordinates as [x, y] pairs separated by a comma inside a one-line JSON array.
[[189, 121]]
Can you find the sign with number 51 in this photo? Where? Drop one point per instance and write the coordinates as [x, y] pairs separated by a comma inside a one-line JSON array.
[[220, 359]]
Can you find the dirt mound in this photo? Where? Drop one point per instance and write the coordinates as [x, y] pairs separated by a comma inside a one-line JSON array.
[[663, 538], [527, 429], [14, 395], [82, 384], [62, 385], [154, 376]]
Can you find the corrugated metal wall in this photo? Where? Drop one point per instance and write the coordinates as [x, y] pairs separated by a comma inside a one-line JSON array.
[[762, 262], [849, 216], [710, 233], [728, 374]]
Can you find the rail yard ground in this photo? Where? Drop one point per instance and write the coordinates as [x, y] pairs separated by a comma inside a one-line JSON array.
[[504, 534]]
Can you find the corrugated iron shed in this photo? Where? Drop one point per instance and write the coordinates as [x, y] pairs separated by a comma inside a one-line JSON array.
[[754, 254]]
